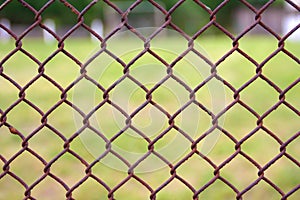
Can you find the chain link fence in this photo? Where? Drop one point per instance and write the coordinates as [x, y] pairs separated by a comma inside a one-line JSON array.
[[245, 149]]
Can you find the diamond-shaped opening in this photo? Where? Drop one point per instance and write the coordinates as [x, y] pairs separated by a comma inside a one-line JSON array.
[[153, 170], [145, 15], [292, 96], [133, 189], [195, 17], [128, 95], [9, 93], [104, 68], [131, 142], [218, 190], [136, 98], [283, 121], [130, 154], [172, 146], [43, 94], [234, 172], [239, 121], [126, 39], [85, 95], [78, 44], [36, 47], [9, 143], [62, 69], [213, 46], [193, 121], [168, 44], [262, 191], [46, 143], [89, 145], [150, 120], [192, 69], [11, 188], [62, 119], [283, 173], [108, 120], [213, 95], [69, 169], [171, 95], [106, 171], [142, 60], [20, 68], [293, 148], [175, 190], [113, 160], [147, 69], [48, 189], [282, 77], [196, 171], [90, 189], [24, 118], [258, 47], [26, 161], [217, 146], [236, 70], [112, 72], [259, 95], [261, 142]]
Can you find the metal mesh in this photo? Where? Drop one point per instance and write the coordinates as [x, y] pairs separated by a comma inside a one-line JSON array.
[[83, 172]]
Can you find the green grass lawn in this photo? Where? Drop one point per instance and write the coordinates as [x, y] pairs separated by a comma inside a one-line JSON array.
[[238, 121]]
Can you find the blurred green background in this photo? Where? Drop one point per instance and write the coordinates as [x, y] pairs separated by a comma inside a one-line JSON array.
[[188, 16], [282, 70], [238, 121]]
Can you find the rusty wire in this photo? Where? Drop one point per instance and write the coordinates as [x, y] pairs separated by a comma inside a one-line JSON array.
[[173, 167]]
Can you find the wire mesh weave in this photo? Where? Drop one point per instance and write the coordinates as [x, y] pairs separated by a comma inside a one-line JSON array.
[[112, 189]]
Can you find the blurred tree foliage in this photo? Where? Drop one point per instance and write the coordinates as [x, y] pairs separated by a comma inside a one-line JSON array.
[[184, 16], [17, 14]]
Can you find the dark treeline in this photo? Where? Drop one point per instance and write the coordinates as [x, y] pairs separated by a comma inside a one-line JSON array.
[[184, 16]]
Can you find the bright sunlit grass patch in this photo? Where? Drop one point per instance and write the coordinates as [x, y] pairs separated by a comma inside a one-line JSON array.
[[140, 128]]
